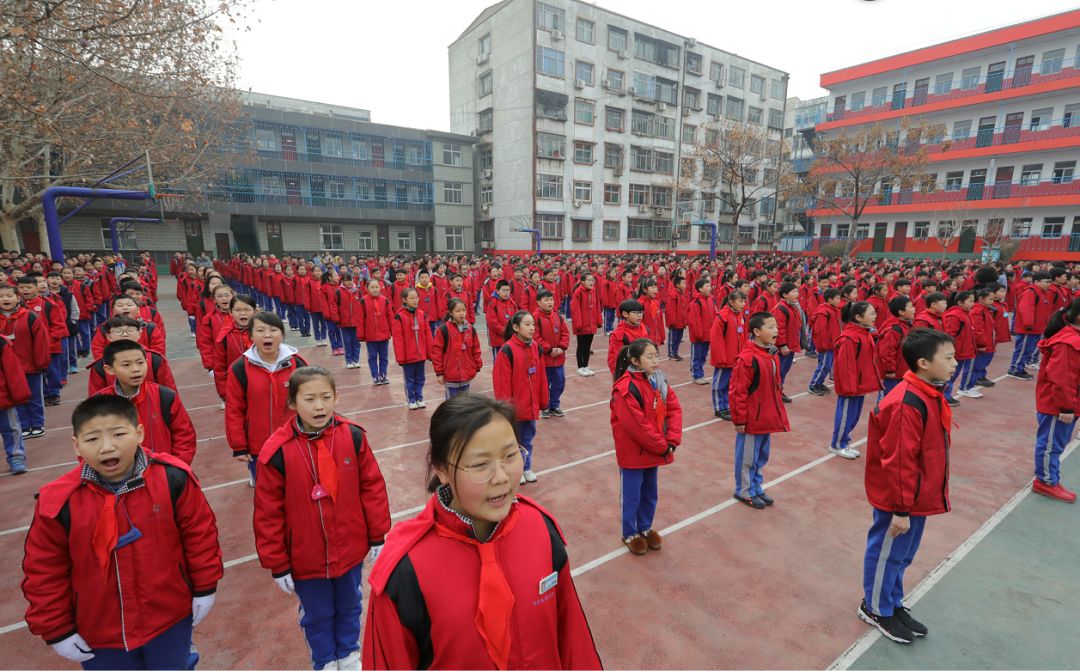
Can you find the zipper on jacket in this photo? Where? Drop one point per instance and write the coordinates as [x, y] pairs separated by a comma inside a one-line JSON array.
[[326, 540], [120, 591]]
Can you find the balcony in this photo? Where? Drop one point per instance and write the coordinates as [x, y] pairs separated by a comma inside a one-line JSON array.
[[1003, 136], [245, 194], [802, 165], [974, 196], [806, 119]]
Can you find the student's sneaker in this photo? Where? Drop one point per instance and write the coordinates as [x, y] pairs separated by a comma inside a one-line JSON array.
[[960, 392], [52, 400], [653, 539], [1032, 366], [337, 351], [845, 452], [953, 403], [36, 432], [752, 501], [817, 390], [983, 382], [973, 393], [522, 480], [529, 476], [350, 663], [73, 370], [558, 412], [223, 405], [421, 404], [766, 498], [785, 398], [700, 380], [251, 480], [636, 544], [320, 343], [676, 358], [26, 434], [589, 372], [412, 405], [18, 465], [545, 414], [811, 355], [1057, 491], [582, 372], [891, 627], [916, 627], [725, 415], [385, 381]]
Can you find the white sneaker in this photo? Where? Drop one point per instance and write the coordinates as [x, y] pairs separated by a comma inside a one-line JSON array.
[[350, 663], [973, 393], [529, 476], [223, 405], [846, 453], [421, 404], [583, 372], [522, 481], [1033, 366], [589, 372], [251, 480], [332, 665], [412, 405], [320, 343], [857, 451]]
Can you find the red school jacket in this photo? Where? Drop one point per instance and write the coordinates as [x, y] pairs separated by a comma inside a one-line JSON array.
[[206, 332], [375, 316], [518, 379], [982, 325], [855, 366], [256, 402], [881, 308], [151, 338], [890, 358], [423, 606], [585, 311], [551, 332], [825, 327], [229, 345], [29, 336], [349, 307], [455, 353], [654, 319], [907, 450], [429, 302], [466, 298], [498, 313], [929, 320], [675, 309], [126, 606], [166, 425], [1001, 323], [1033, 310], [328, 537], [1057, 389], [699, 317], [623, 335], [55, 316], [157, 371], [755, 391], [14, 390], [789, 323], [644, 422], [411, 335], [957, 323], [727, 337]]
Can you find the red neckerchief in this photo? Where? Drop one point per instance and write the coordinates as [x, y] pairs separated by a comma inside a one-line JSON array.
[[934, 393], [7, 322]]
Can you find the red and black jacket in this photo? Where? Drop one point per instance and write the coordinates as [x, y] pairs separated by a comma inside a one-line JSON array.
[[498, 313], [890, 357], [28, 334], [982, 324], [256, 403], [727, 338], [14, 390], [699, 317], [929, 320], [374, 318], [675, 310], [855, 362], [551, 332], [412, 336], [643, 423], [455, 354], [585, 312], [957, 323], [825, 327], [1057, 389], [755, 393], [623, 335], [229, 345], [519, 380], [653, 319], [167, 428], [206, 332], [1033, 310], [790, 326], [157, 371]]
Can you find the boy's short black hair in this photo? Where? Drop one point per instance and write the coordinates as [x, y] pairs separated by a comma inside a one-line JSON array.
[[935, 297], [757, 320], [112, 349], [897, 305], [103, 405], [30, 278], [121, 321], [9, 287], [923, 344], [1037, 277], [130, 285], [787, 287], [544, 293], [831, 293], [501, 283], [901, 283]]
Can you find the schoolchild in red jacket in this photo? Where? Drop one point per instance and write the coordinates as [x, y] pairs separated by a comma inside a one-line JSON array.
[[320, 509], [28, 334], [766, 300], [455, 350], [727, 338], [426, 594], [126, 328], [630, 328], [757, 408], [152, 338], [855, 374], [675, 306], [429, 299], [653, 319], [212, 323], [457, 289], [553, 339], [1057, 400], [609, 299], [646, 425], [167, 428], [825, 326], [375, 318], [14, 391], [34, 293], [232, 340], [349, 318], [789, 322], [879, 298], [699, 318], [255, 391], [498, 309], [907, 478], [931, 318], [412, 346], [982, 324], [1001, 319], [530, 292], [957, 322], [113, 581], [1033, 310], [586, 318], [331, 301], [518, 380], [893, 331], [302, 298]]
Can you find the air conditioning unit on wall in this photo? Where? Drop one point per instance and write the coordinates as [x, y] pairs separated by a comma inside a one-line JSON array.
[[487, 173], [556, 35]]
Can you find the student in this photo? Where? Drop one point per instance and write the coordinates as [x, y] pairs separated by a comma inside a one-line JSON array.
[[957, 322], [498, 309], [457, 289], [212, 323], [1033, 310], [518, 381], [232, 340], [375, 317], [455, 350], [126, 328], [646, 424], [166, 425], [907, 479], [789, 321], [255, 405], [349, 316], [152, 337], [111, 581], [585, 316], [727, 338], [675, 315], [630, 328], [609, 299], [14, 391], [412, 346], [879, 298], [1057, 400], [475, 531], [302, 298], [932, 316], [331, 300], [855, 374], [699, 318], [28, 333], [58, 289], [316, 307], [755, 385], [653, 318], [766, 300], [553, 339], [429, 299], [52, 315], [825, 326], [890, 353], [982, 325], [320, 509]]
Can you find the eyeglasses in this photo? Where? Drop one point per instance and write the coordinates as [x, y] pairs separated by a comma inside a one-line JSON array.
[[121, 332], [481, 472]]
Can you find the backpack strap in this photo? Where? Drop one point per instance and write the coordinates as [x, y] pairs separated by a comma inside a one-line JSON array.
[[445, 333], [755, 381], [509, 352], [239, 369], [632, 389], [915, 401], [168, 396]]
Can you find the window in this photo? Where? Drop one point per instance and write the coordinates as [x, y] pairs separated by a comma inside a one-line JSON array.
[[705, 235], [581, 230], [487, 194], [945, 229], [455, 238], [550, 62], [858, 101], [954, 181], [757, 84], [333, 238], [332, 146], [648, 124], [693, 62], [484, 44], [777, 89], [754, 114], [1072, 116], [452, 192], [127, 235], [1051, 63], [692, 98], [484, 85], [969, 79], [366, 241], [586, 31], [639, 194], [614, 119], [404, 241], [583, 152], [616, 80], [612, 194], [921, 231], [656, 88], [1053, 226], [550, 18], [661, 196], [943, 84], [638, 229], [616, 39], [583, 72], [878, 96], [550, 225], [487, 231], [714, 105], [486, 120], [689, 132], [1021, 228], [583, 191], [336, 189], [656, 51], [716, 71], [613, 156], [961, 130], [486, 158], [265, 140], [549, 145], [451, 154], [734, 108], [776, 118], [611, 231], [1063, 172], [1040, 119], [549, 186], [583, 111], [1030, 174]]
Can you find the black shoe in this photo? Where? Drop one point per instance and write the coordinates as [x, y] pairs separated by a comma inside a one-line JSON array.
[[785, 398], [545, 414], [36, 432], [953, 402], [753, 501], [725, 415], [52, 400], [818, 390], [1020, 375], [811, 355], [766, 498], [891, 627], [558, 412], [983, 382], [677, 358], [916, 627]]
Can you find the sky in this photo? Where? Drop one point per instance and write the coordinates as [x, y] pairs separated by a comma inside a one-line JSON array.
[[391, 57]]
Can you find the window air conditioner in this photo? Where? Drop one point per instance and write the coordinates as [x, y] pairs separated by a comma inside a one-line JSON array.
[[487, 174], [556, 35]]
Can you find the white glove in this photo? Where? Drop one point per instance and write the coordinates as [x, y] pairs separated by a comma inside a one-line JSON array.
[[74, 648], [374, 552], [285, 583], [210, 373], [200, 608]]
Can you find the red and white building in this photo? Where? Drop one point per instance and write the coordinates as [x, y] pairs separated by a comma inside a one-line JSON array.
[[1009, 102]]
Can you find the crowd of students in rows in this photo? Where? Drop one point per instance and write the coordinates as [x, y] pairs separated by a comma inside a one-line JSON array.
[[928, 330]]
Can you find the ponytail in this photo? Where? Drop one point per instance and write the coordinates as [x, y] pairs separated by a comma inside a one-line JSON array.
[[450, 305], [632, 351], [854, 309], [1062, 318]]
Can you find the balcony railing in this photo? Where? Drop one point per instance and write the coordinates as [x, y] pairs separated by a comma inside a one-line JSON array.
[[973, 192], [1062, 244], [802, 165], [399, 163], [989, 83], [267, 196], [1012, 134]]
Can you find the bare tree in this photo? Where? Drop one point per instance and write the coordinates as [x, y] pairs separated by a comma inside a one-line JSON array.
[[89, 84]]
